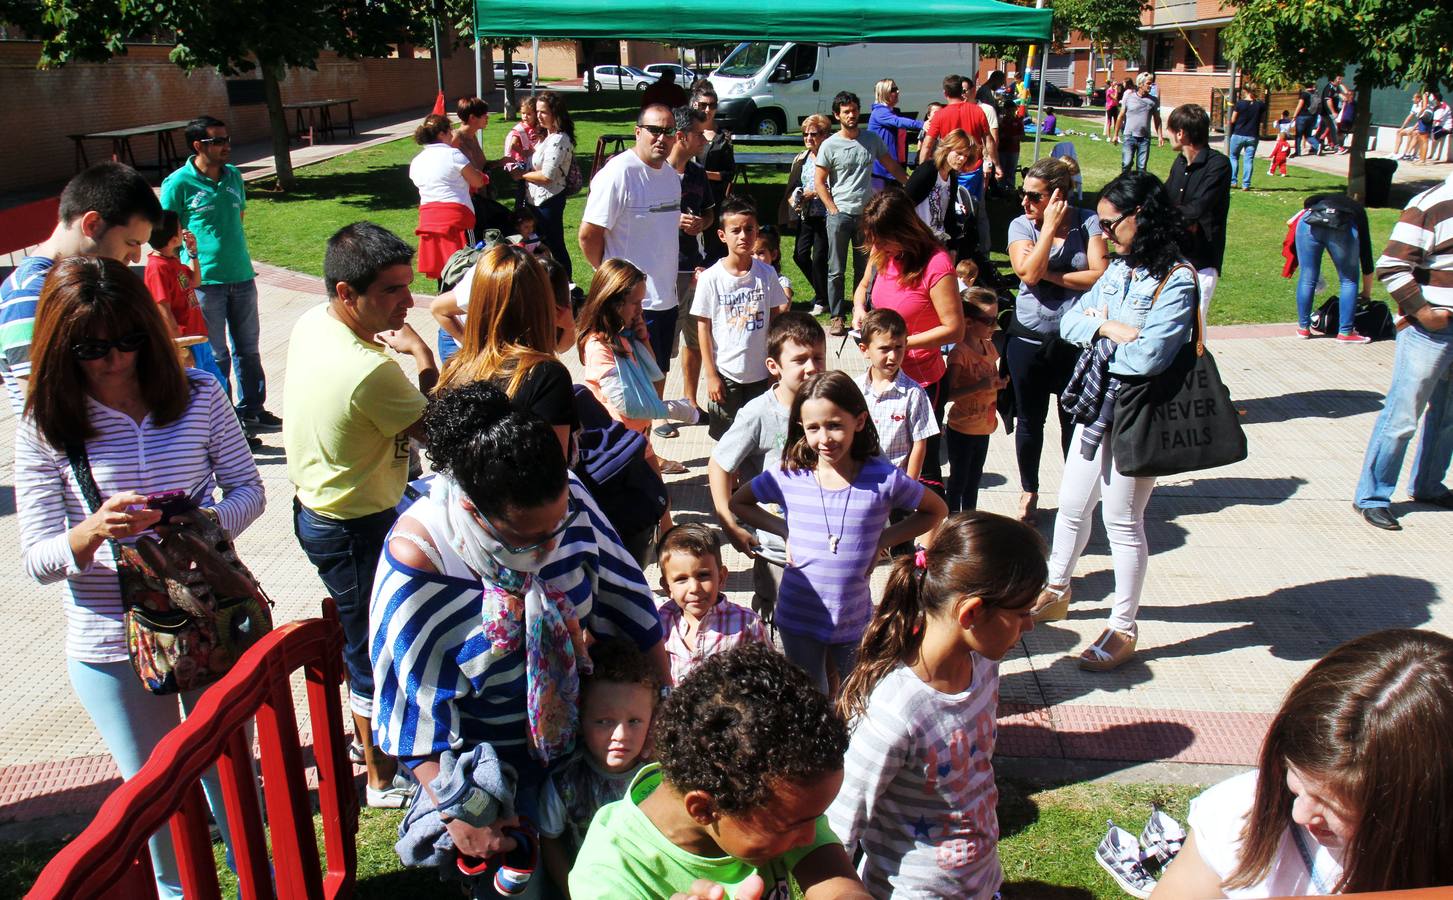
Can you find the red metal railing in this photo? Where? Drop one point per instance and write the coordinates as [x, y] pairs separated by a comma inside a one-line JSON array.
[[110, 858]]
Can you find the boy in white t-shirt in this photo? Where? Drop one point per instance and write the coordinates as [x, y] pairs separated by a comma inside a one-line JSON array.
[[736, 300]]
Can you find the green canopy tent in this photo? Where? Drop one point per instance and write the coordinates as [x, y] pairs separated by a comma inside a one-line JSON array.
[[716, 21]]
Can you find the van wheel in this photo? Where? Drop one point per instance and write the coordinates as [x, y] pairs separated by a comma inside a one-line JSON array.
[[769, 123]]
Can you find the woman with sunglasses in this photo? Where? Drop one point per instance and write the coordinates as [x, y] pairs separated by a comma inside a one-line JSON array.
[[107, 386], [888, 124], [1144, 305], [717, 157], [481, 607], [810, 250], [1058, 253]]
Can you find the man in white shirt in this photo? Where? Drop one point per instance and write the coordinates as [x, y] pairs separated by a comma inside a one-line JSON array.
[[633, 213]]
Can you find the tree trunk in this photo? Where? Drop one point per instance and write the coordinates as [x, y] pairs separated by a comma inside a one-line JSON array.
[[508, 49], [1361, 127], [277, 120]]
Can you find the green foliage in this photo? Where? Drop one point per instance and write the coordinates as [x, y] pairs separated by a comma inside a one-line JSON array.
[[1114, 25], [1392, 42]]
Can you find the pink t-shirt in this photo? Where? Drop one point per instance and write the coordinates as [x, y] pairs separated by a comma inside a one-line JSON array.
[[923, 364]]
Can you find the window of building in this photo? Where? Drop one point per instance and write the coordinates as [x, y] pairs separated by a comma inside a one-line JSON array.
[[1221, 62], [1161, 48], [1190, 60]]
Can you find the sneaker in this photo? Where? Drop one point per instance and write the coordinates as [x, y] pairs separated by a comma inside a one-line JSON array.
[[1162, 838], [259, 418], [254, 443], [355, 753], [518, 865], [1352, 337], [1119, 855], [1304, 332], [818, 309], [1110, 651], [395, 796], [1053, 604]]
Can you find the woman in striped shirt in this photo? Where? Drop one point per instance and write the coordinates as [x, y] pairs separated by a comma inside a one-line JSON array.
[[475, 639], [107, 380]]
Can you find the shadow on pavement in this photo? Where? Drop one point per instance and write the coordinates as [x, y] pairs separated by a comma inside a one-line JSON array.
[[1332, 403]]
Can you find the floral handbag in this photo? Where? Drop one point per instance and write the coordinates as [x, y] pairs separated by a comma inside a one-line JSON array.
[[189, 605]]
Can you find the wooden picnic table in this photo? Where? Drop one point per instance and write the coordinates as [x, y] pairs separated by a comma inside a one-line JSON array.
[[167, 157], [305, 110]]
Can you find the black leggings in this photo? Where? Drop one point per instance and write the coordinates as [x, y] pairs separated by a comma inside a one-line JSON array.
[[1037, 370], [810, 254], [966, 455], [932, 467]]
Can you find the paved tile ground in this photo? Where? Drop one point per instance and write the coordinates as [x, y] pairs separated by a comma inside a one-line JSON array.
[[1256, 571]]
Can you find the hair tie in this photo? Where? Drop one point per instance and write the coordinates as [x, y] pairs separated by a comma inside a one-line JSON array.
[[920, 558]]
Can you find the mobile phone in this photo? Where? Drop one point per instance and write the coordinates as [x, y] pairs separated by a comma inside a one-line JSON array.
[[170, 503]]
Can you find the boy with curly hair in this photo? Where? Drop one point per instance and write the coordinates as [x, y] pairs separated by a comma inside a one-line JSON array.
[[751, 756]]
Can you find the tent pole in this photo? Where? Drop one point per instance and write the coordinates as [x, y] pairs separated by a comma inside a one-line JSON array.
[[1039, 128], [535, 72]]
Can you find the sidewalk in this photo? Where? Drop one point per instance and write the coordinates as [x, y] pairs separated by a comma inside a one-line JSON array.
[[1256, 570]]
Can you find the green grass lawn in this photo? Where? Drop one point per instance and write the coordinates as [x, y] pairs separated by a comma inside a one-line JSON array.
[[1047, 848], [290, 229]]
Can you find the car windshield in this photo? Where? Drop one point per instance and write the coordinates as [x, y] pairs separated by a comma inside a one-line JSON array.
[[747, 59]]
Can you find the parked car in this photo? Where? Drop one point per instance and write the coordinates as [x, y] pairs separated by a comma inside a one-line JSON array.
[[684, 76], [621, 78], [523, 73], [1054, 95]]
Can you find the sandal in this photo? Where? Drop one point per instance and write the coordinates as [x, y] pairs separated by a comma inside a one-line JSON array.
[[1028, 509], [1053, 604], [1109, 651], [672, 467]]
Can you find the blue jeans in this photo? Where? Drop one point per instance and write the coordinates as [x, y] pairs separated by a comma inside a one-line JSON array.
[[1422, 380], [1137, 147], [1307, 128], [345, 553], [231, 311], [811, 655], [131, 722], [1311, 239], [842, 235], [447, 347], [550, 225], [1242, 150]]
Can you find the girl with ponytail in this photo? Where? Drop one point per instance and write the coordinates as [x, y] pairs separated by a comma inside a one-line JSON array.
[[918, 795]]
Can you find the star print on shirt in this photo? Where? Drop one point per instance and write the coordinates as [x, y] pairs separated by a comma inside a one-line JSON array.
[[922, 830]]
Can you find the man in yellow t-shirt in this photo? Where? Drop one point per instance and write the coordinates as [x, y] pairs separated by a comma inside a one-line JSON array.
[[350, 414]]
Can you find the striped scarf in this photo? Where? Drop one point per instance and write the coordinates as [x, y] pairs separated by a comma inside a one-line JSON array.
[[1089, 398]]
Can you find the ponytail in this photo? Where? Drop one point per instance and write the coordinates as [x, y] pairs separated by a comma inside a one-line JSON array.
[[895, 634]]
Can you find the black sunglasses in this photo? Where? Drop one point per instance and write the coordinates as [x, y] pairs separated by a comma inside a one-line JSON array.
[[1031, 196], [658, 130], [215, 140], [1108, 227], [96, 348], [707, 104], [808, 134]]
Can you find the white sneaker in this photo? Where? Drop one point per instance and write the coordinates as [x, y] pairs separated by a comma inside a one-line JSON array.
[[1119, 855], [1162, 838], [395, 796], [818, 309]]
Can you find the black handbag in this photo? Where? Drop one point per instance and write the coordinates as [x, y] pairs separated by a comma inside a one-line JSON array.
[[1180, 420]]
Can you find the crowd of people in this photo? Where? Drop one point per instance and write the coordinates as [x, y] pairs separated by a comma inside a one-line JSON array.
[[513, 679]]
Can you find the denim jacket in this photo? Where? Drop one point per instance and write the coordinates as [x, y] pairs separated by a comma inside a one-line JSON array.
[[1126, 295]]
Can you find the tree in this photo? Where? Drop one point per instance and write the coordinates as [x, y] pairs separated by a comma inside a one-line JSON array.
[[1391, 42], [234, 36], [1113, 26]]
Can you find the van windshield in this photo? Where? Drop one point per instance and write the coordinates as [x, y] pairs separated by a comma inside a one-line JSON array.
[[747, 59]]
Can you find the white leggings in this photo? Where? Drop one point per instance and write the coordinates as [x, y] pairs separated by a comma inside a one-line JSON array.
[[1085, 483]]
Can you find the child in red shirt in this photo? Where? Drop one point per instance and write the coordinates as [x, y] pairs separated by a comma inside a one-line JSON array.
[[174, 287]]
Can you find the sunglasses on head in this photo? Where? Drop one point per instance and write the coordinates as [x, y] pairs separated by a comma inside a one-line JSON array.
[[658, 130], [96, 348], [224, 140]]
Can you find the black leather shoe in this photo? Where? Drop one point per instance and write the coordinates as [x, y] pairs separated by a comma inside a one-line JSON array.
[[1378, 517]]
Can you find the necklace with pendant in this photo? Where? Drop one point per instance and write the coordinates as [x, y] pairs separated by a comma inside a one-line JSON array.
[[833, 538]]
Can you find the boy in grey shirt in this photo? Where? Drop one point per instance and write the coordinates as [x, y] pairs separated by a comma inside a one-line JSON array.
[[844, 182]]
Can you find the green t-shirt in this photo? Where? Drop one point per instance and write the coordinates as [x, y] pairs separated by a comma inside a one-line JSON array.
[[849, 165], [625, 857], [212, 210]]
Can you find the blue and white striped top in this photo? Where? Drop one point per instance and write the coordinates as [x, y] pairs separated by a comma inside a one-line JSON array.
[[435, 687], [202, 449]]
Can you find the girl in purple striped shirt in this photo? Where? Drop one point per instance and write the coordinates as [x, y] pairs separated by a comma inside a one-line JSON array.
[[837, 492]]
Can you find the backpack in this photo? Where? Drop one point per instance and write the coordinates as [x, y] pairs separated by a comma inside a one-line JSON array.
[[461, 260], [611, 461], [1370, 318]]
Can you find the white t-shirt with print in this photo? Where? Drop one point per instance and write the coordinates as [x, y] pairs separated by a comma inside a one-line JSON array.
[[436, 172], [740, 309], [1216, 819], [640, 209]]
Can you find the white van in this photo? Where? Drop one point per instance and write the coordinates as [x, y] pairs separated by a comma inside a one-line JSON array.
[[769, 87]]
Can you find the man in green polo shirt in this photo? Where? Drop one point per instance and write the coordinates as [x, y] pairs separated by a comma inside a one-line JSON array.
[[208, 196]]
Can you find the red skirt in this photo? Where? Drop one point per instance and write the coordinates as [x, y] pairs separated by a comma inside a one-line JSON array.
[[443, 229]]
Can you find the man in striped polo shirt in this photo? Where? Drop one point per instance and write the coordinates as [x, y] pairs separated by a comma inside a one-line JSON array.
[[1417, 268], [107, 210]]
